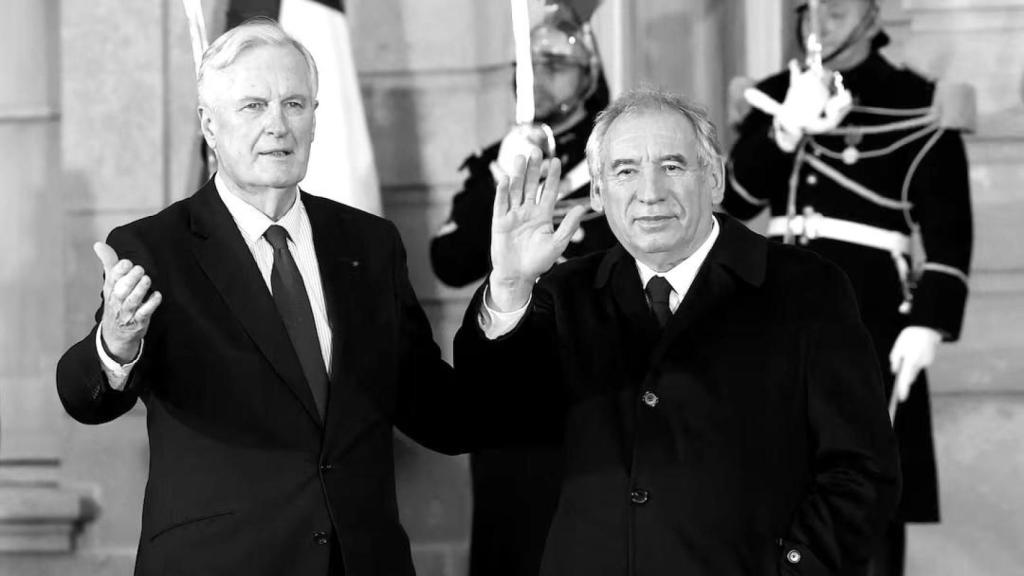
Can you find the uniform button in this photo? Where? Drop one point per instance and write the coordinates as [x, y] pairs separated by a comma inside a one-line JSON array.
[[793, 556], [320, 537], [638, 496], [650, 398], [811, 179]]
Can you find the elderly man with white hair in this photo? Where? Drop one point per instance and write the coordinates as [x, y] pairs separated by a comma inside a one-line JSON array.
[[275, 340]]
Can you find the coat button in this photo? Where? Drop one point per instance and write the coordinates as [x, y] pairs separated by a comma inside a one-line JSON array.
[[638, 496], [650, 398], [793, 556], [326, 467], [811, 179], [320, 537]]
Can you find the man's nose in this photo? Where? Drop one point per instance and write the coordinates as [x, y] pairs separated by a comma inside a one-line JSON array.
[[827, 26], [651, 186], [274, 121]]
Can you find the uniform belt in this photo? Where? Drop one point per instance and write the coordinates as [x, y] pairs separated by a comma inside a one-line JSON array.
[[817, 226]]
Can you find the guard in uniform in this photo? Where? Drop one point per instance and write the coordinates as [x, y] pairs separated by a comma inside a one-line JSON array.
[[515, 490], [569, 91], [884, 194]]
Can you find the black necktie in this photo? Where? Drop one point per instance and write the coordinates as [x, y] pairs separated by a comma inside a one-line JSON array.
[[293, 305], [658, 290]]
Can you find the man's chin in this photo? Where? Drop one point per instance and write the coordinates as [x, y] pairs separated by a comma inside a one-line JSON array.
[[287, 179]]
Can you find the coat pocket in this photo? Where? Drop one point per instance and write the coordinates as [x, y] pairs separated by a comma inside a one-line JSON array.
[[196, 522]]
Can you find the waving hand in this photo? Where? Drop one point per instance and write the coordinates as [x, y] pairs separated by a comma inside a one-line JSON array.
[[524, 241]]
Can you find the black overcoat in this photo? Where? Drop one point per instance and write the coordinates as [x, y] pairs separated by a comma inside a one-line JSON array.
[[750, 437]]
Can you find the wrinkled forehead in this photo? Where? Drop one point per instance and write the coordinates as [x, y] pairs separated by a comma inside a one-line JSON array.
[[650, 133]]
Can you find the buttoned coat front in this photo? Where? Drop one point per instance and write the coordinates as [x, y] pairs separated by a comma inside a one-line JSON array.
[[750, 437]]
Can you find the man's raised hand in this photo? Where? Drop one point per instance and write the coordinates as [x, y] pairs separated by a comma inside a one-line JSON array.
[[524, 241], [126, 308]]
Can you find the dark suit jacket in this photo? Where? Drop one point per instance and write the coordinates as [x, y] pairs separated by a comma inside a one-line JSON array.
[[244, 478], [751, 437]]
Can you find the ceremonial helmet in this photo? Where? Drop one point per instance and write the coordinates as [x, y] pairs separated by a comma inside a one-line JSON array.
[[864, 27], [558, 37]]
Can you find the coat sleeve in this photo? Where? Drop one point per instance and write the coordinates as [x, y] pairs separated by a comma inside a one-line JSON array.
[[756, 170], [856, 480], [517, 376], [461, 252], [477, 406], [81, 382], [940, 193]]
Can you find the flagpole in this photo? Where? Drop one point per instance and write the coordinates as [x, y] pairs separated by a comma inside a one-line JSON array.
[[525, 109], [196, 30], [200, 42]]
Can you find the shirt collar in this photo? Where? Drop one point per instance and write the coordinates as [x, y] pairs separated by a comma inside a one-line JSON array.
[[253, 223], [681, 275]]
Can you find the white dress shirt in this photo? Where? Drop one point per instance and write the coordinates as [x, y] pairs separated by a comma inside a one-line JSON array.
[[252, 224], [682, 275], [495, 323]]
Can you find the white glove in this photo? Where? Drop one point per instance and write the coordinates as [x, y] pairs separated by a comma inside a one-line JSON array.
[[913, 351], [518, 142], [815, 103]]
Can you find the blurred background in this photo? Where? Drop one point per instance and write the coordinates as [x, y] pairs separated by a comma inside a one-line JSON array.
[[97, 128]]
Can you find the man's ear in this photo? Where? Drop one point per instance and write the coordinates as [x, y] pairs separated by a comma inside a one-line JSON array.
[[596, 202], [207, 125], [312, 134], [715, 174]]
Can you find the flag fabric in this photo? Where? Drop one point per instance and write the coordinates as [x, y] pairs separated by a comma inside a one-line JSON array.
[[341, 162]]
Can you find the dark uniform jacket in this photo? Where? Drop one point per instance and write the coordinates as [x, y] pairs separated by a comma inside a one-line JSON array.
[[750, 437], [244, 476], [925, 167], [515, 490]]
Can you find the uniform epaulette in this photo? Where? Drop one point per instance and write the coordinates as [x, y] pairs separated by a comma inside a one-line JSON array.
[[471, 159], [955, 104]]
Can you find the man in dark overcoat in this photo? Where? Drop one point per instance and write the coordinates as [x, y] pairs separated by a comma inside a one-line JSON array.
[[719, 397]]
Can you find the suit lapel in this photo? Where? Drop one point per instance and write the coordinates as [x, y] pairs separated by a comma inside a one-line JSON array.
[[738, 257], [639, 328], [631, 335], [711, 288], [343, 259], [222, 254]]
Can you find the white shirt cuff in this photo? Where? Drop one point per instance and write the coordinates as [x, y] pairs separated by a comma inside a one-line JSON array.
[[117, 373], [496, 324]]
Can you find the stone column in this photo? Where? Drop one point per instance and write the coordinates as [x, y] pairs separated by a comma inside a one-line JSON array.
[[37, 511], [693, 47], [96, 129]]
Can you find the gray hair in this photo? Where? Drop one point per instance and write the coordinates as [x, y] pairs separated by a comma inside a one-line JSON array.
[[645, 99], [247, 35]]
